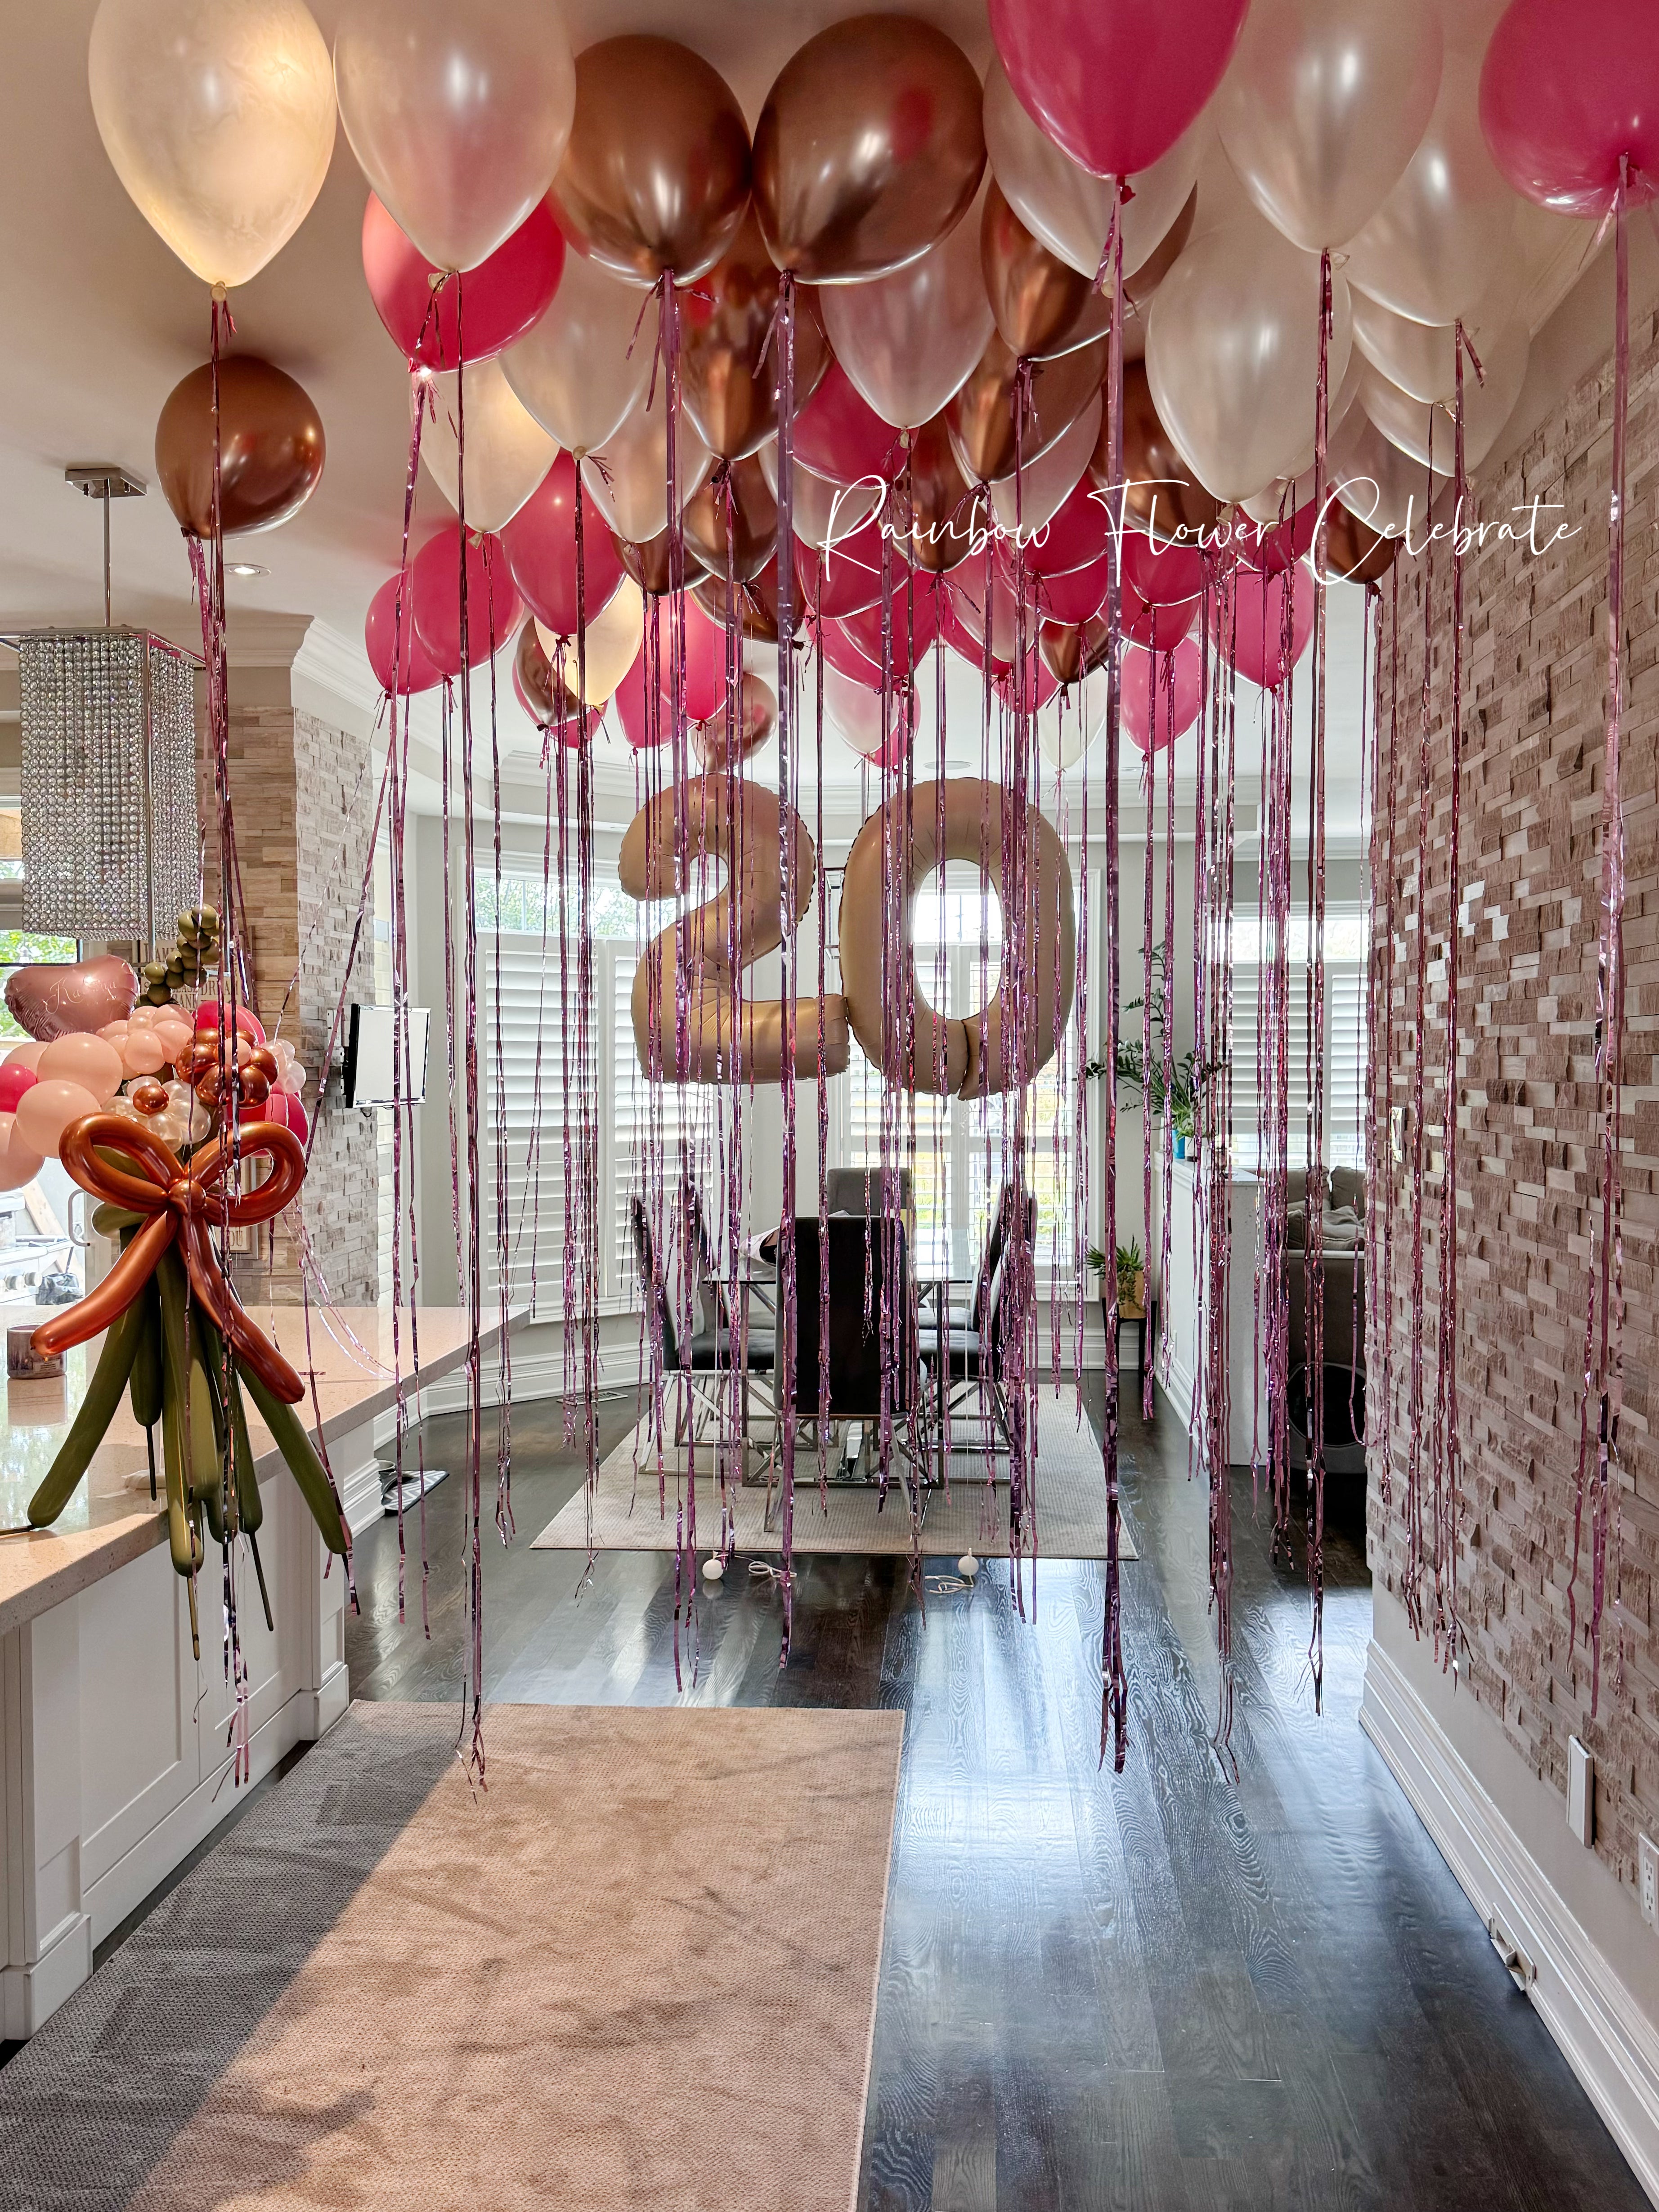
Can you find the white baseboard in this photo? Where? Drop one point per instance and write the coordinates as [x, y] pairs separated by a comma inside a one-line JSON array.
[[1609, 2044]]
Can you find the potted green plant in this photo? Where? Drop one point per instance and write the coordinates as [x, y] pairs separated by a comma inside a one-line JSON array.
[[1131, 1271]]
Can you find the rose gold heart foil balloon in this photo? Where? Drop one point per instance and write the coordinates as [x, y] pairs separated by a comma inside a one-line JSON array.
[[656, 174], [53, 1002], [869, 148]]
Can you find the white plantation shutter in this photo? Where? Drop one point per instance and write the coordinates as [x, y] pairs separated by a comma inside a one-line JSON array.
[[1345, 1039]]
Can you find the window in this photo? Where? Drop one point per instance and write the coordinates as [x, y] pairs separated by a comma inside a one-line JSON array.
[[1345, 1037], [19, 950]]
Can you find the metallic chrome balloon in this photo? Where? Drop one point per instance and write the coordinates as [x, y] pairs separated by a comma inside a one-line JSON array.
[[981, 416], [1035, 297], [726, 320], [869, 148], [732, 521], [271, 447]]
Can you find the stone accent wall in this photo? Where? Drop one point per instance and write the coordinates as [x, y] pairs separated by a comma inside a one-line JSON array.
[[304, 796], [1535, 704]]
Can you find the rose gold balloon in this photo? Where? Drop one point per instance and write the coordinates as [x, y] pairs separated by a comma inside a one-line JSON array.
[[736, 505], [648, 564], [149, 1096], [726, 320], [1034, 296], [1071, 649], [981, 416], [869, 148], [1353, 550], [656, 174], [1162, 492], [757, 602], [53, 1002], [948, 516], [270, 447]]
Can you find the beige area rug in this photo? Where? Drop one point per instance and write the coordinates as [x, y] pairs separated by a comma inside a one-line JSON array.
[[639, 1971], [1070, 1492]]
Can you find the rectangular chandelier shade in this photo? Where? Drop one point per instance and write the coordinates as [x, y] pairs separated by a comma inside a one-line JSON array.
[[110, 837]]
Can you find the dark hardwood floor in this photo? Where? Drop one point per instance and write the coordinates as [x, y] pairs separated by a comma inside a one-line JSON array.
[[1168, 1990]]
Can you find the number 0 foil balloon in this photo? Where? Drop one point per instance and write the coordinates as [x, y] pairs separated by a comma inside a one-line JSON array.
[[1324, 106], [457, 116], [218, 121], [656, 174], [869, 148], [1115, 82]]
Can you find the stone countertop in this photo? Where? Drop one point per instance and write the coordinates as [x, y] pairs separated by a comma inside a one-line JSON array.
[[108, 1522]]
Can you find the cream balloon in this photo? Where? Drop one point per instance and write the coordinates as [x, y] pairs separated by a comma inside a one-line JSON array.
[[1233, 353], [629, 477], [1070, 721], [1067, 208], [612, 644], [1323, 106], [457, 116], [1374, 481], [218, 121], [1407, 423], [45, 1111], [825, 512], [1429, 250], [507, 450], [1047, 483], [581, 370], [911, 340]]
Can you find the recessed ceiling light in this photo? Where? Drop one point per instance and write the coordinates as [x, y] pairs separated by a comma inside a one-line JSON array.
[[245, 568]]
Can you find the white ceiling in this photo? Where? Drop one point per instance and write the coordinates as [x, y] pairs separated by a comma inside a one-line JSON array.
[[100, 321]]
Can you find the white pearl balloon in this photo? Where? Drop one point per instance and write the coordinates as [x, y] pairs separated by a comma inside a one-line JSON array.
[[1374, 481], [583, 368], [1047, 483], [1430, 249], [507, 450], [1323, 104], [218, 119], [612, 645], [629, 479], [825, 512], [1405, 421], [911, 340]]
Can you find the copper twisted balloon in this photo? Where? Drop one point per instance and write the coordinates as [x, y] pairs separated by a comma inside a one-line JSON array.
[[183, 1201]]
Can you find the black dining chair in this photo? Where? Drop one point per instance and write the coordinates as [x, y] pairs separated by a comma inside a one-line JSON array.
[[709, 1351], [970, 1364]]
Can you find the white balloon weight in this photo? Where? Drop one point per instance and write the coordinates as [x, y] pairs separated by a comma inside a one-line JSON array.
[[612, 644], [1048, 481], [1408, 423], [1067, 208], [825, 512], [629, 478], [910, 341], [1323, 106], [507, 450], [581, 370], [218, 119], [1232, 355], [458, 116], [1430, 249]]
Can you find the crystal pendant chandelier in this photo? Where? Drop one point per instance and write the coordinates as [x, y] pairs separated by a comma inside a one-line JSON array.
[[109, 838]]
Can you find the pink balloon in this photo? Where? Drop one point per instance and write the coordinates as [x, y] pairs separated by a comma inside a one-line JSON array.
[[963, 596], [1163, 628], [25, 1056], [540, 544], [46, 1110], [18, 1164], [489, 306], [1039, 687], [854, 643], [1564, 90], [1165, 575], [1259, 653], [1076, 597], [1271, 547], [846, 579], [91, 1062], [383, 639], [14, 1082], [493, 605], [855, 708], [839, 435], [705, 660], [631, 701], [248, 1023], [1115, 82], [962, 628], [1140, 670], [282, 1106], [1076, 533]]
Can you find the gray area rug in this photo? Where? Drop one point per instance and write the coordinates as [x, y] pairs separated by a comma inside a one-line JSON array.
[[1070, 1491], [638, 1969]]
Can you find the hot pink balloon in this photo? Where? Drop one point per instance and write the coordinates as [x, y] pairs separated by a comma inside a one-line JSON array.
[[1076, 533], [1115, 82], [1567, 89], [1076, 597], [846, 578], [1142, 672], [248, 1023], [631, 701], [540, 545], [1163, 628], [839, 434], [382, 637], [285, 1108], [14, 1082], [493, 605], [489, 305], [1039, 686], [854, 644], [963, 628], [1165, 575], [1259, 653], [1271, 548]]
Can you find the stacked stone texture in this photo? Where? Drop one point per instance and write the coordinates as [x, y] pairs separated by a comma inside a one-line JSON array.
[[1528, 1182]]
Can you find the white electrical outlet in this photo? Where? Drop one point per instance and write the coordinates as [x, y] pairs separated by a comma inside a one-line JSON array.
[[1647, 1879]]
